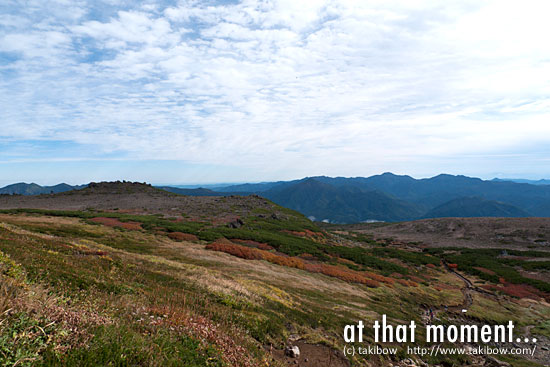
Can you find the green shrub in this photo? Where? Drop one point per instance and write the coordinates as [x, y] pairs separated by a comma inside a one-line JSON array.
[[122, 346]]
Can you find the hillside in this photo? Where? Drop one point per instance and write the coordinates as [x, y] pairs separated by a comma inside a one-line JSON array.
[[507, 233], [419, 196], [126, 274], [475, 207], [531, 182], [190, 192], [385, 197], [139, 198], [340, 204]]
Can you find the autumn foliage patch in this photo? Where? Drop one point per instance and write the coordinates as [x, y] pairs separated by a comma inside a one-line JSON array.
[[519, 290], [315, 236], [180, 236], [406, 283], [113, 222], [250, 243], [249, 253]]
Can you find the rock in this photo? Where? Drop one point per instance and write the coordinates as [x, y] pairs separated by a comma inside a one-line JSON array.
[[292, 351], [238, 223], [409, 362], [493, 362]]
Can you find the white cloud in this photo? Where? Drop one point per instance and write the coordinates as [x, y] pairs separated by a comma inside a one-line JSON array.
[[311, 87]]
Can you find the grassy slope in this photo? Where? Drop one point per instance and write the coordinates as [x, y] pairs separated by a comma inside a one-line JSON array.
[[79, 293]]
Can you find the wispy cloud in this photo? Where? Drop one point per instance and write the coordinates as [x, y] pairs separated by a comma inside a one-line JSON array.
[[279, 87]]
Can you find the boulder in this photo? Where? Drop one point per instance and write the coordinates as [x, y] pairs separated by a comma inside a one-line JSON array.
[[238, 223], [292, 351]]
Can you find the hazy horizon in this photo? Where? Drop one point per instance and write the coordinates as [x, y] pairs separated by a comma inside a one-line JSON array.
[[222, 184]]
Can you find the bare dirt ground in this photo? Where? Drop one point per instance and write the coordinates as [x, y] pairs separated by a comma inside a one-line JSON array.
[[512, 233], [138, 198], [313, 355]]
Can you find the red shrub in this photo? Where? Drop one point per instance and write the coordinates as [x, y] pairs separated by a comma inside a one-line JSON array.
[[378, 277], [432, 266], [243, 252], [519, 290], [250, 243], [453, 266], [248, 253], [305, 233], [180, 236], [402, 282], [338, 272], [113, 222], [416, 279]]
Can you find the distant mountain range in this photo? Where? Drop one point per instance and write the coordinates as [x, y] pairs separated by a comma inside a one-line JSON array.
[[475, 207], [390, 197], [34, 189], [519, 180], [385, 197]]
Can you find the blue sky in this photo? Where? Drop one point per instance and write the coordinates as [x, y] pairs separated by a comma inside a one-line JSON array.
[[233, 91]]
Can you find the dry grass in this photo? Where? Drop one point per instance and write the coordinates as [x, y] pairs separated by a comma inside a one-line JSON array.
[[249, 253], [236, 294]]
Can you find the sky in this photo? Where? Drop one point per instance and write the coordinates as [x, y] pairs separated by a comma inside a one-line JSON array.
[[248, 91]]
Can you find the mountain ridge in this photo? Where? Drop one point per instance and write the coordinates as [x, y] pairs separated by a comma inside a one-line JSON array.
[[385, 197]]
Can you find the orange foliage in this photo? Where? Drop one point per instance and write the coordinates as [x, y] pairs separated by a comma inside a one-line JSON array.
[[249, 253], [250, 243], [180, 236], [306, 256], [453, 266], [341, 273], [378, 277], [403, 282], [416, 279], [113, 222], [305, 233], [406, 283], [243, 252], [519, 291], [432, 266]]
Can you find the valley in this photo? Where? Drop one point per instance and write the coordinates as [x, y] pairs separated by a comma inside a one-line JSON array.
[[133, 275]]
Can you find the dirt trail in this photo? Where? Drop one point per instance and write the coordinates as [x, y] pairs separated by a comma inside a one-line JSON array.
[[467, 291]]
